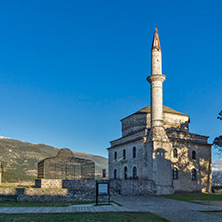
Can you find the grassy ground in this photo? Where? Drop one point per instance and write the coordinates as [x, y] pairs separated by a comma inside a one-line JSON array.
[[83, 217], [38, 204], [196, 197]]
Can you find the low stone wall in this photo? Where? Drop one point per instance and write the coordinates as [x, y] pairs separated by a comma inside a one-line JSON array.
[[53, 190], [75, 190], [79, 184], [69, 184], [132, 187], [47, 195], [48, 183]]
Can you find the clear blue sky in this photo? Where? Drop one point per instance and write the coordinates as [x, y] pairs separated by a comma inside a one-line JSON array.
[[70, 70]]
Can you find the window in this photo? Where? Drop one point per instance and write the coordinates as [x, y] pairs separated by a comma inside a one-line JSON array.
[[175, 153], [124, 154], [134, 152], [193, 174], [134, 172], [193, 155], [115, 173], [125, 173], [175, 173], [115, 156]]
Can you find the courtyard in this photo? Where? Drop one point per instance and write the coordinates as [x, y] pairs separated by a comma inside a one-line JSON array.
[[178, 207]]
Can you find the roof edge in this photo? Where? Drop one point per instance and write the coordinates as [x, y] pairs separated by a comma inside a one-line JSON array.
[[169, 110]]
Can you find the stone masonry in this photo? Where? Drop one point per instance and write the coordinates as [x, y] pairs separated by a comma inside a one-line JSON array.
[[47, 195]]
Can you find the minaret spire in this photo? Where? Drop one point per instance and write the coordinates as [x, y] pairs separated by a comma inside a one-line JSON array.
[[156, 40], [156, 80]]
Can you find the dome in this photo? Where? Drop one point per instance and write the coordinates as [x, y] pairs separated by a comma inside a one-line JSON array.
[[65, 153]]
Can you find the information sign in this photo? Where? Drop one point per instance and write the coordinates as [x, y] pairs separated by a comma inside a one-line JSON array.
[[102, 189]]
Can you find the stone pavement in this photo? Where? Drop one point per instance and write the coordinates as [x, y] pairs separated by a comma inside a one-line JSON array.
[[69, 209], [172, 210]]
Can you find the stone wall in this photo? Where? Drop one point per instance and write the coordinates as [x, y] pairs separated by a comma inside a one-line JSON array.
[[133, 123], [54, 190], [184, 163], [48, 183], [79, 184], [130, 162], [69, 184], [132, 187], [47, 195]]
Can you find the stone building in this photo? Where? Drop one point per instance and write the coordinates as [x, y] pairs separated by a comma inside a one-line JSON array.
[[67, 167], [156, 153]]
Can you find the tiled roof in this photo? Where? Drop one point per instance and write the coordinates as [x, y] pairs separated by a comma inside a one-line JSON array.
[[165, 110]]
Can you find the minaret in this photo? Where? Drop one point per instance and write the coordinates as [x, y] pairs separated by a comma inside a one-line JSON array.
[[156, 80], [158, 148]]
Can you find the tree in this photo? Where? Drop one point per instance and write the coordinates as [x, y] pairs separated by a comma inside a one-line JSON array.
[[220, 115], [218, 140]]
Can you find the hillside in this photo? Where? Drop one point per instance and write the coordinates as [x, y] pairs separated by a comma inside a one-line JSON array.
[[20, 159]]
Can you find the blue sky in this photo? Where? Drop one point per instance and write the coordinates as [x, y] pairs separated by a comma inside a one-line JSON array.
[[70, 70]]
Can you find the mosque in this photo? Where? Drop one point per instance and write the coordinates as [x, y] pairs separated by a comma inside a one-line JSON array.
[[156, 153]]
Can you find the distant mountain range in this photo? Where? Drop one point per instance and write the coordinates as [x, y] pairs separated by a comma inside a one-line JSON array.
[[20, 159]]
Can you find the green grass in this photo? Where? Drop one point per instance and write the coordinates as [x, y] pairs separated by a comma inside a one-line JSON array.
[[194, 197], [83, 217], [39, 204]]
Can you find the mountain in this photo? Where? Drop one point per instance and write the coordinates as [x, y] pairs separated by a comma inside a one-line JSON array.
[[20, 159]]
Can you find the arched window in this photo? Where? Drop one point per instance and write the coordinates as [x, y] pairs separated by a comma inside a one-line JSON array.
[[193, 155], [115, 173], [175, 173], [124, 154], [125, 173], [115, 156], [193, 174], [175, 153], [134, 152], [134, 172]]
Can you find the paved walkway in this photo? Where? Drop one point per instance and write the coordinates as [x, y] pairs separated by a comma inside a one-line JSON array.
[[69, 209], [172, 210]]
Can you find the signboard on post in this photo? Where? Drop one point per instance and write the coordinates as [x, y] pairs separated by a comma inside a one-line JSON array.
[[102, 189]]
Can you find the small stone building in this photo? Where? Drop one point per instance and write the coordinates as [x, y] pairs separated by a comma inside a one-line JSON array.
[[66, 167], [156, 153]]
